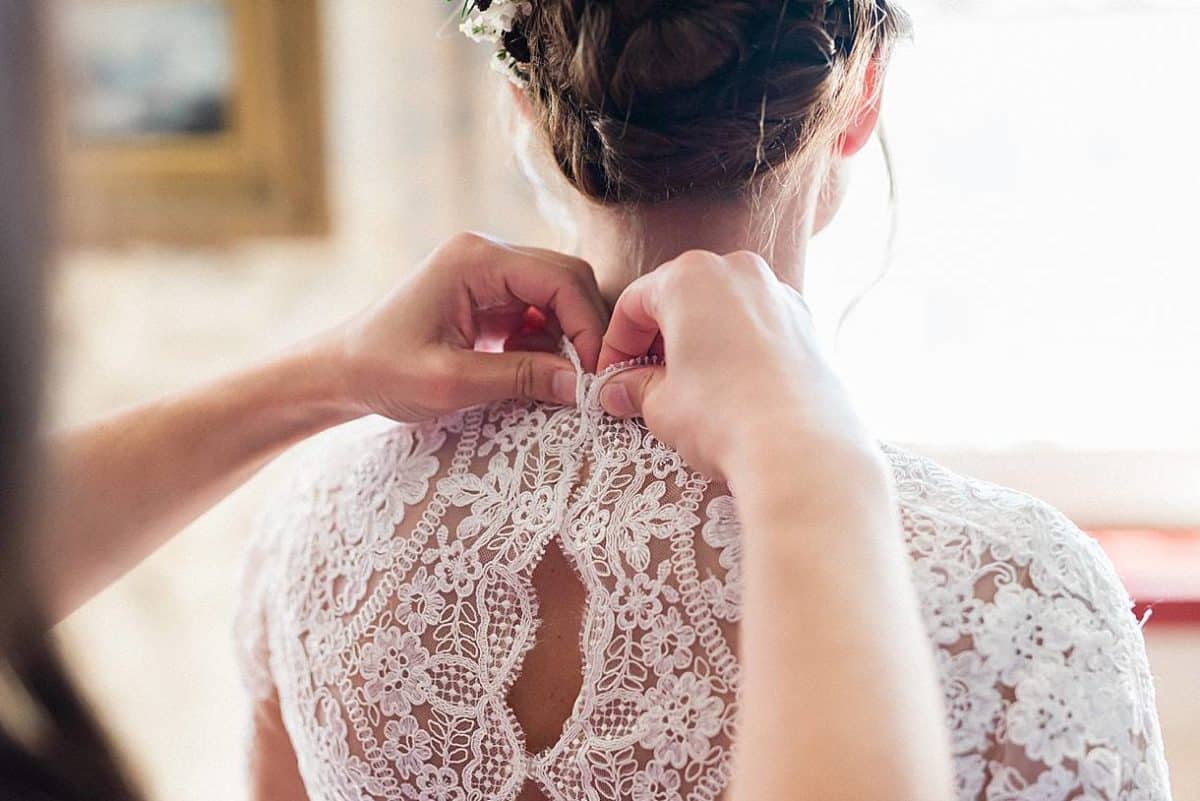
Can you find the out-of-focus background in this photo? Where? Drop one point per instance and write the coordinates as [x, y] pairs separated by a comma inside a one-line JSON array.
[[241, 173]]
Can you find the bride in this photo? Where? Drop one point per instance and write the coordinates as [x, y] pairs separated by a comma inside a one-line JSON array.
[[525, 600]]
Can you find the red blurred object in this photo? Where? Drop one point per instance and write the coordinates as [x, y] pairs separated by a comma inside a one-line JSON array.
[[1160, 568], [532, 321]]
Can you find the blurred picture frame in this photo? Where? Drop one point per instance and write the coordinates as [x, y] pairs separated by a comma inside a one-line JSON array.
[[191, 121]]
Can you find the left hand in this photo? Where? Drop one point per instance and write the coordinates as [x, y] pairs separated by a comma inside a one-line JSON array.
[[413, 355], [743, 380]]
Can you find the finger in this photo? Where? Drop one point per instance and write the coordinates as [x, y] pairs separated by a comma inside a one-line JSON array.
[[543, 282], [633, 327], [531, 375], [586, 278], [581, 268], [631, 394], [578, 267]]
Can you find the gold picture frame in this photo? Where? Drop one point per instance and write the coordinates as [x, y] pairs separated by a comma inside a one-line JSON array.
[[260, 172]]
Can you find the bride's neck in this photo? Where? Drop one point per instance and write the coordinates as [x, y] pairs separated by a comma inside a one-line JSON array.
[[622, 244]]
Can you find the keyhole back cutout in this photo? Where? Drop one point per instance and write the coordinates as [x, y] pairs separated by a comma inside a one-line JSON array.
[[552, 672]]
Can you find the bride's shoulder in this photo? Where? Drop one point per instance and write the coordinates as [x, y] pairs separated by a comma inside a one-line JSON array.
[[374, 462], [1029, 614], [335, 480], [949, 516], [362, 454], [332, 504]]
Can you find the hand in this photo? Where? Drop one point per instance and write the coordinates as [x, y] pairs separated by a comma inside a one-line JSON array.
[[742, 374], [419, 351]]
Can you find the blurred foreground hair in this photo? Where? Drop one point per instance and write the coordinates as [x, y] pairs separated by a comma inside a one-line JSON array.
[[50, 745]]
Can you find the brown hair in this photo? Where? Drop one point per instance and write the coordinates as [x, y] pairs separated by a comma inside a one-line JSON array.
[[646, 100]]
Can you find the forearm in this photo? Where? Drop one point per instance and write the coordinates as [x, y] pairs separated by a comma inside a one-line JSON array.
[[839, 699], [126, 483], [122, 486]]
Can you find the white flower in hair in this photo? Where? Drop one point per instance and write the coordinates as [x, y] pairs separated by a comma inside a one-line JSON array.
[[489, 21], [494, 20]]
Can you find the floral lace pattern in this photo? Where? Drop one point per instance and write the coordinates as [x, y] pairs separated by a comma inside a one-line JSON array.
[[389, 602]]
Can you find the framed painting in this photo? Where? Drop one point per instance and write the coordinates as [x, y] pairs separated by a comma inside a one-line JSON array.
[[191, 120]]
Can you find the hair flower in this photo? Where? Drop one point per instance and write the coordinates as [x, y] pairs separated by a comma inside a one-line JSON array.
[[493, 22]]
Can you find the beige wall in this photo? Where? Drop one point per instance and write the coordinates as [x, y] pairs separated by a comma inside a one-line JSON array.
[[414, 155]]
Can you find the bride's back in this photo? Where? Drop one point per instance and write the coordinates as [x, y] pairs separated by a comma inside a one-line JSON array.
[[517, 591], [526, 599], [532, 599]]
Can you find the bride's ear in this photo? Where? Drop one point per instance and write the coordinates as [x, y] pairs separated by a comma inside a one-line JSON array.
[[520, 101], [866, 115]]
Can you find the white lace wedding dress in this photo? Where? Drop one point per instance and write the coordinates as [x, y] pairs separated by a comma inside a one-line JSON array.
[[388, 602]]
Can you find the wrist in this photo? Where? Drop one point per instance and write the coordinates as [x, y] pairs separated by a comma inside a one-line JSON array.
[[315, 384], [809, 524], [763, 442], [801, 467], [796, 416]]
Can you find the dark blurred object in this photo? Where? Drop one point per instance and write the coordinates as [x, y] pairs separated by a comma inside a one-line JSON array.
[[50, 746], [195, 121]]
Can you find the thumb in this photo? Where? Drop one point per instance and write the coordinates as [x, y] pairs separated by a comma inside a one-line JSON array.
[[487, 377], [628, 394]]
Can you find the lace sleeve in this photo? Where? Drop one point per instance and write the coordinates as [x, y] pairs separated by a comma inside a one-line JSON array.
[[250, 621], [286, 531], [1048, 690]]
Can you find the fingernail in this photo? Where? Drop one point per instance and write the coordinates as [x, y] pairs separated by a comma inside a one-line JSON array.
[[616, 401], [563, 385]]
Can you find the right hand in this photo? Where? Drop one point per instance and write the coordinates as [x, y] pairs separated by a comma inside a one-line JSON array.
[[742, 374], [416, 353]]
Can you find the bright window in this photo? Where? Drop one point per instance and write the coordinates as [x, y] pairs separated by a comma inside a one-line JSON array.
[[1047, 268], [1037, 325]]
